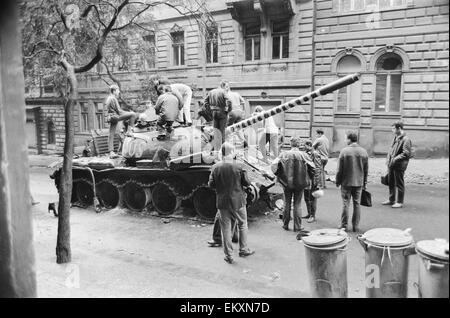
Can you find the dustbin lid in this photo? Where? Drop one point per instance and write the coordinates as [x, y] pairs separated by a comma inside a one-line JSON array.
[[324, 237], [434, 248], [388, 237]]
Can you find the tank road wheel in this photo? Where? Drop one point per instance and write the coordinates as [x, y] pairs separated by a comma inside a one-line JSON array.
[[108, 194], [204, 200], [165, 200], [85, 193], [136, 197]]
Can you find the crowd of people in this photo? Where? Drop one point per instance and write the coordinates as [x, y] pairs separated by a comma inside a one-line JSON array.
[[300, 170]]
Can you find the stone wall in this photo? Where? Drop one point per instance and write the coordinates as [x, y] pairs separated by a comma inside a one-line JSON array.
[[418, 32]]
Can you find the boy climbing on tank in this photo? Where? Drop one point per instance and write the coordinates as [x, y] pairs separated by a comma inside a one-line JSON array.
[[167, 109]]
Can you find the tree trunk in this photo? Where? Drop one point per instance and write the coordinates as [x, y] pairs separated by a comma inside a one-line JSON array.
[[63, 252]]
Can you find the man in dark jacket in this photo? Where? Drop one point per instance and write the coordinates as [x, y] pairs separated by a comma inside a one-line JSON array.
[[217, 100], [316, 183], [229, 180], [353, 167], [294, 170], [167, 108], [397, 162]]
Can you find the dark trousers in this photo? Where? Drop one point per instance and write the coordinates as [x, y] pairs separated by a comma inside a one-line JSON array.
[[323, 173], [396, 182], [354, 194], [311, 202], [296, 196], [131, 116], [235, 116], [219, 123], [217, 232], [167, 124]]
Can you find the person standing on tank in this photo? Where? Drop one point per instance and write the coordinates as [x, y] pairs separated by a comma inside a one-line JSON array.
[[229, 179], [217, 100], [116, 114], [237, 104]]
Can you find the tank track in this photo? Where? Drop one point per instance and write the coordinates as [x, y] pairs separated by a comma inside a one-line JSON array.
[[144, 185]]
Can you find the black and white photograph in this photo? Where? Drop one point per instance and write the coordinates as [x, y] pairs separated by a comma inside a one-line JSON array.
[[224, 154]]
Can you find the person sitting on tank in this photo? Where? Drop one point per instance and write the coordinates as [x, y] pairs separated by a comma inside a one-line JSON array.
[[167, 109], [115, 115], [184, 95]]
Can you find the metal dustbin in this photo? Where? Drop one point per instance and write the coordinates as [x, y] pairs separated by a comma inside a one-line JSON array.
[[433, 268], [326, 261], [387, 262]]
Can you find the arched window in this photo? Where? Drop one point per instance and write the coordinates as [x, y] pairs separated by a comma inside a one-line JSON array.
[[51, 132], [349, 97], [388, 83]]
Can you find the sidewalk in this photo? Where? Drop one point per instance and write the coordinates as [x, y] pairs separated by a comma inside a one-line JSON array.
[[420, 171], [42, 161]]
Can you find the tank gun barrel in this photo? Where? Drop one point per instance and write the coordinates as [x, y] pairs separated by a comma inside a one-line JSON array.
[[324, 90]]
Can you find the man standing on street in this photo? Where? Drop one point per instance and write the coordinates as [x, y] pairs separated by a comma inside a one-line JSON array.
[[352, 170], [217, 100], [322, 146], [229, 180], [316, 183], [397, 162], [294, 170]]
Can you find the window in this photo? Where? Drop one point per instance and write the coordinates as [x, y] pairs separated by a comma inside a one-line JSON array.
[[212, 44], [149, 51], [361, 5], [84, 116], [388, 83], [48, 86], [349, 97], [178, 47], [122, 57], [51, 132], [99, 116], [252, 38], [280, 39]]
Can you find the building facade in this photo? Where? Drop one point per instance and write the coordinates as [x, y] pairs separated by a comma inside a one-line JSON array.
[[273, 50]]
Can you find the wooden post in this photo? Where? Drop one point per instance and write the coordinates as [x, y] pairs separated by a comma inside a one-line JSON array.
[[17, 275]]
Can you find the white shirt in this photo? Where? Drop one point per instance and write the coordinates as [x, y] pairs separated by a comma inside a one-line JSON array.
[[236, 100], [269, 126]]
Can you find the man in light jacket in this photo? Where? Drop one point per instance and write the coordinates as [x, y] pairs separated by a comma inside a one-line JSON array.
[[397, 161], [353, 167]]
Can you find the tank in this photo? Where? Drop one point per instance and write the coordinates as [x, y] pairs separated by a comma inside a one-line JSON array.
[[166, 171]]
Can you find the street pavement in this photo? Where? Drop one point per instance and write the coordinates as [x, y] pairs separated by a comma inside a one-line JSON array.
[[122, 254]]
